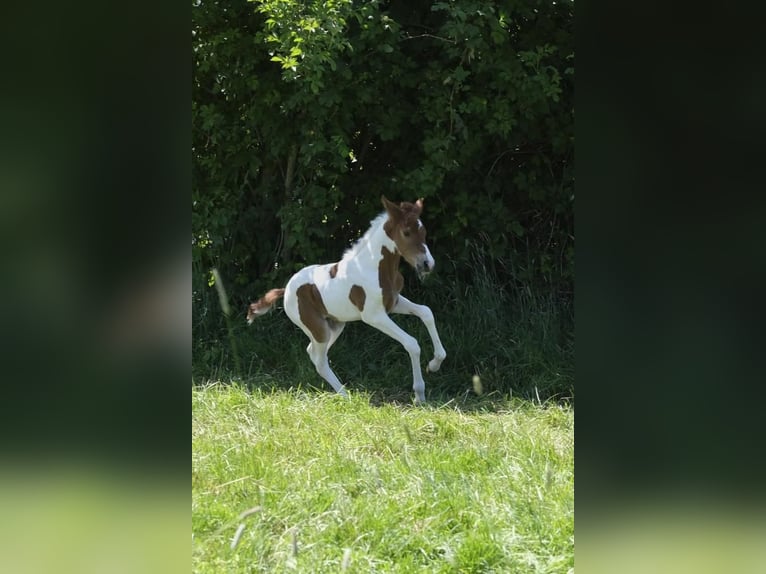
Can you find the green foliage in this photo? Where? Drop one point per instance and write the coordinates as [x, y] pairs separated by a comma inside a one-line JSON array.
[[304, 113]]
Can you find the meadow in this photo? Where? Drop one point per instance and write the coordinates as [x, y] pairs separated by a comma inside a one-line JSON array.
[[300, 480]]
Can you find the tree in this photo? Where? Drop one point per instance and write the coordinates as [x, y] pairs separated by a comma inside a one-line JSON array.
[[304, 113]]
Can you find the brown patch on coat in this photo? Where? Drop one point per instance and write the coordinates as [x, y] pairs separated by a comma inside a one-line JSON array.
[[390, 279], [312, 311], [357, 297], [333, 271], [264, 304], [403, 229]]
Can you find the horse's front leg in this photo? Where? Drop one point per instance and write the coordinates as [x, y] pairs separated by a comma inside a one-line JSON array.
[[385, 324], [406, 307]]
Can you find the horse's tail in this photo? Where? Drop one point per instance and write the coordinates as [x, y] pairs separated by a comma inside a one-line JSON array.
[[264, 304]]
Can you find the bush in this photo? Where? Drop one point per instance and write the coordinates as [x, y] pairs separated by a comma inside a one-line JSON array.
[[305, 113]]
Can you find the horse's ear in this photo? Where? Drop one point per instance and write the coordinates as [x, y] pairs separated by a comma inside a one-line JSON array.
[[419, 203], [392, 209]]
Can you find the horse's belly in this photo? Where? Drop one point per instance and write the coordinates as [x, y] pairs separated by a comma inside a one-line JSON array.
[[339, 302]]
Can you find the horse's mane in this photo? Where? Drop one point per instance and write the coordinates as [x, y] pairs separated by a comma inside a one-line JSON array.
[[375, 224]]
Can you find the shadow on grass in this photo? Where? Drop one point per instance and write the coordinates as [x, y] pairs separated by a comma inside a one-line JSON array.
[[520, 344], [369, 362], [399, 397]]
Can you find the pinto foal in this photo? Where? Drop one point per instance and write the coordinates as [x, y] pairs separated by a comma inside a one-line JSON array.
[[364, 285]]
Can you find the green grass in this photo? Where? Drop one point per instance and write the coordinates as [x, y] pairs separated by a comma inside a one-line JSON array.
[[519, 339], [351, 486]]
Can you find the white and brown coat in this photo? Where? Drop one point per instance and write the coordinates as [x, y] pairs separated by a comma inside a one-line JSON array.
[[364, 285]]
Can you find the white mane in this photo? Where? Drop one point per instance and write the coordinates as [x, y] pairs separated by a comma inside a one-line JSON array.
[[375, 224]]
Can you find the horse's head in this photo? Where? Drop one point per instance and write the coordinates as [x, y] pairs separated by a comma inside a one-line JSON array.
[[409, 234]]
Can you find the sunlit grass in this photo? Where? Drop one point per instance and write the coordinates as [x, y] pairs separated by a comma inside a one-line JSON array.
[[334, 485]]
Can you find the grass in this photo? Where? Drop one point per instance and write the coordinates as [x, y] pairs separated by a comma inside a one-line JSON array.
[[520, 340], [351, 486]]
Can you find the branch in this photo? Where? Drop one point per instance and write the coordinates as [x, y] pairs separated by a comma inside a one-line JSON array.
[[430, 36], [290, 169]]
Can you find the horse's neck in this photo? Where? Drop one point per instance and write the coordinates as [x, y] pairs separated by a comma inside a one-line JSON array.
[[371, 245], [378, 240]]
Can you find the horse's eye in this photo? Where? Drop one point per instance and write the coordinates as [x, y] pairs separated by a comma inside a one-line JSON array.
[[406, 233]]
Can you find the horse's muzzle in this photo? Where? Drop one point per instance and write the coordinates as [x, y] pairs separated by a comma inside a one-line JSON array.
[[424, 263], [424, 268]]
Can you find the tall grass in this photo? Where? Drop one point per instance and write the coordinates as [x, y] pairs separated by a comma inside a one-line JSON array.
[[517, 338]]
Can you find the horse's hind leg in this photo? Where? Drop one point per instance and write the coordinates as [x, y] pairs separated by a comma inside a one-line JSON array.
[[318, 353], [306, 310], [336, 329]]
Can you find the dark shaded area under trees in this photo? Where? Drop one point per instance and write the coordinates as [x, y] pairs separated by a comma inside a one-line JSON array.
[[305, 113]]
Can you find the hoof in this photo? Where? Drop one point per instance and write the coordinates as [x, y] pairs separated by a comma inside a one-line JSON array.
[[434, 365]]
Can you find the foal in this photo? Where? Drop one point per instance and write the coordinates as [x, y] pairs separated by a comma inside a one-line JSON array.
[[365, 284]]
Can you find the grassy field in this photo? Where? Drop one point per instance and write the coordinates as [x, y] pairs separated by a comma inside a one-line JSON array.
[[520, 341], [295, 481]]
